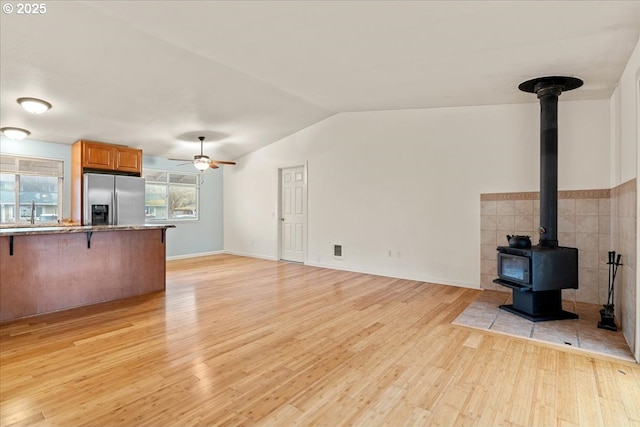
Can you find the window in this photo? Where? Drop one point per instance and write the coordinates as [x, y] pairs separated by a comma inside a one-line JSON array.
[[171, 195], [30, 188]]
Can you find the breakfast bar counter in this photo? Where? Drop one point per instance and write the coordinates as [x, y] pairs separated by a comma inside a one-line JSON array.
[[46, 269], [66, 229]]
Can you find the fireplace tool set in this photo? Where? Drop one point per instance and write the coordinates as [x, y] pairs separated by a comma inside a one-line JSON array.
[[607, 315]]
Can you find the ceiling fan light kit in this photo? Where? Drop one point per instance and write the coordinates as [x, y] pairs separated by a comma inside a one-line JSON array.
[[201, 162]]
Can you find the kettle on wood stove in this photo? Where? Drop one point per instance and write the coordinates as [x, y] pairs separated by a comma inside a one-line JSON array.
[[520, 242]]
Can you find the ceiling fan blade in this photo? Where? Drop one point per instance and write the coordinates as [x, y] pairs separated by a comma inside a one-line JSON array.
[[186, 162], [224, 162], [213, 165]]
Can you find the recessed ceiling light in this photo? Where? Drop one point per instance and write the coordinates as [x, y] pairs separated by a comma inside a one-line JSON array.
[[15, 133], [34, 105]]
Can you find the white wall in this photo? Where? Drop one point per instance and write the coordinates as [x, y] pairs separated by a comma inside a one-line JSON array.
[[624, 120], [409, 182]]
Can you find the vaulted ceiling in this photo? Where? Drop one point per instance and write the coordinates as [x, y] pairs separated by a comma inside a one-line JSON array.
[[155, 75]]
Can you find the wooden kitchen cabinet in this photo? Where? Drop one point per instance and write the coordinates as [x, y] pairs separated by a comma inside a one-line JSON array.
[[97, 156], [128, 160], [100, 156]]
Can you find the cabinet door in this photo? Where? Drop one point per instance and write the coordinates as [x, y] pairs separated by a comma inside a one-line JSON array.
[[98, 156], [128, 160]]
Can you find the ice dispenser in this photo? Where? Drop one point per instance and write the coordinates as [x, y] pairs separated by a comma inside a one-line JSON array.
[[99, 214]]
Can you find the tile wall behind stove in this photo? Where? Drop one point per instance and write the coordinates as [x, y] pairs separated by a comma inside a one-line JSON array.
[[623, 233], [584, 222]]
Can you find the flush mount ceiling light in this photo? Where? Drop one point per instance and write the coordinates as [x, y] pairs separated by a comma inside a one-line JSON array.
[[34, 105], [15, 133]]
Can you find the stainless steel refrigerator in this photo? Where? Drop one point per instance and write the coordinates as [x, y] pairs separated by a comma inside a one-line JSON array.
[[113, 199]]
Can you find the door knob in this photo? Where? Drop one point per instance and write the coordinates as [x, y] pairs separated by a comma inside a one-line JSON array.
[[281, 219]]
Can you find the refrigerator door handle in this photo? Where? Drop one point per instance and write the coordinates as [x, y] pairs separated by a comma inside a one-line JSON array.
[[114, 203]]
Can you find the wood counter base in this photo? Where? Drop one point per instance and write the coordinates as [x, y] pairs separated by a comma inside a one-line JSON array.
[[51, 272]]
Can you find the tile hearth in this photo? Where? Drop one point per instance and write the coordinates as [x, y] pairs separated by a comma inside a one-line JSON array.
[[582, 333]]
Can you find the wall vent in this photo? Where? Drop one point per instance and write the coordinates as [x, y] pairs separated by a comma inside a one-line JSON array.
[[337, 251]]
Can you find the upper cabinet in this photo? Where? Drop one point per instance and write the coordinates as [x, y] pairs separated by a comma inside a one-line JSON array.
[[108, 157], [97, 156], [128, 160]]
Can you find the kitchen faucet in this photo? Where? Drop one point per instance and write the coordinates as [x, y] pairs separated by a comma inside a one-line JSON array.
[[33, 212]]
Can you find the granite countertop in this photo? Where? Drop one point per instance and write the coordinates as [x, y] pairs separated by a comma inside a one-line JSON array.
[[63, 229]]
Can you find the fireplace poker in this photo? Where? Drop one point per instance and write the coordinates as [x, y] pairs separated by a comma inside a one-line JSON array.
[[615, 272], [612, 255]]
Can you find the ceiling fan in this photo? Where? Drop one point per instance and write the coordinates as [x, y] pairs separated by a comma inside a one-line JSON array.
[[202, 162]]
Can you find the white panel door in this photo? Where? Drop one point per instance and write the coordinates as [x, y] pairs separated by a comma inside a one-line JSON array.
[[293, 213]]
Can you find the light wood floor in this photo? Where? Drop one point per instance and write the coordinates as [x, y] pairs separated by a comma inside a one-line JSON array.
[[239, 341]]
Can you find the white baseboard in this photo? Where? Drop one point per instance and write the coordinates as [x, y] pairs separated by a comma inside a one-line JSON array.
[[270, 258], [196, 255], [378, 273]]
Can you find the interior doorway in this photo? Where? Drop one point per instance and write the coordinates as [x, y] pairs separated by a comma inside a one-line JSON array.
[[293, 213]]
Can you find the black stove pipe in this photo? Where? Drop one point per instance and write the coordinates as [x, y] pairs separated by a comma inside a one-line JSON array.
[[548, 97], [548, 89]]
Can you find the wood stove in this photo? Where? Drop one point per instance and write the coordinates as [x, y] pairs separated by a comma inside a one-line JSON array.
[[538, 274]]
